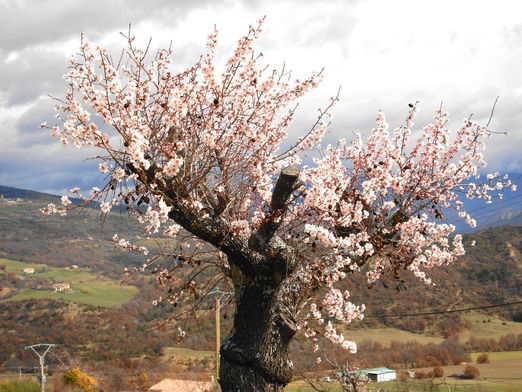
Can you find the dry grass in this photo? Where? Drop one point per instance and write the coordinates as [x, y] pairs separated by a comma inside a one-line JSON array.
[[187, 358], [502, 374], [486, 326], [480, 326], [386, 335]]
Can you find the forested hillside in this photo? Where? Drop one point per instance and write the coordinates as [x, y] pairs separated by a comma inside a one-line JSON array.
[[82, 240], [488, 275]]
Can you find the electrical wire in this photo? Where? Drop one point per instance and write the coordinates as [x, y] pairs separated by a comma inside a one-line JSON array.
[[443, 311], [489, 208]]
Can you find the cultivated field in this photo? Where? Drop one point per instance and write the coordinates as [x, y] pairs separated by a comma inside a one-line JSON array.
[[385, 336], [178, 354], [502, 374], [86, 287], [480, 326]]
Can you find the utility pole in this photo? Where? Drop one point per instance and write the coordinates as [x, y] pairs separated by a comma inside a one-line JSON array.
[[218, 335], [218, 298], [42, 377]]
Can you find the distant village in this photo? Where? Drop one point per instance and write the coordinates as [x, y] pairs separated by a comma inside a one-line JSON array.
[[11, 201], [56, 287]]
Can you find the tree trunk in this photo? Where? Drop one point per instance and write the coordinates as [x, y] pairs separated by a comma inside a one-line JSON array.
[[254, 357]]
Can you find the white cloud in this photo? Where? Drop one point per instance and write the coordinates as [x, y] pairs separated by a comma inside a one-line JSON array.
[[384, 54]]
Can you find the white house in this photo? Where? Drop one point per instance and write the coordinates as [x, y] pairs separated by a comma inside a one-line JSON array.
[[381, 374], [61, 287]]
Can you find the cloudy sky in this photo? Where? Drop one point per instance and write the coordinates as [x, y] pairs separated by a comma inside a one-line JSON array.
[[384, 54]]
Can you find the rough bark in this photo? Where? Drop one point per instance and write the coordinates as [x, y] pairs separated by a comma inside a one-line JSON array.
[[254, 357]]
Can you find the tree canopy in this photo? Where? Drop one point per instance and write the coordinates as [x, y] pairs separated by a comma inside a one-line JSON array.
[[204, 157]]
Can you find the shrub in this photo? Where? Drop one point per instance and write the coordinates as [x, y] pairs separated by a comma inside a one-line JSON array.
[[438, 371], [421, 375], [403, 376], [76, 378], [483, 358], [470, 372]]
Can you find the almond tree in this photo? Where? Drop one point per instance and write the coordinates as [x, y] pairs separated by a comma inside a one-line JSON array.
[[204, 158]]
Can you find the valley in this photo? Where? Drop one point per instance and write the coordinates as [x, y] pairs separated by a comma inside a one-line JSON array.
[[106, 320]]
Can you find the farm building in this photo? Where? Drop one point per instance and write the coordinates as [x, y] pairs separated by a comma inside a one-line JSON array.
[[61, 287], [379, 374]]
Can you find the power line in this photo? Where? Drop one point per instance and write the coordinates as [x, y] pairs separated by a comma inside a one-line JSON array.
[[489, 208], [496, 202], [444, 311]]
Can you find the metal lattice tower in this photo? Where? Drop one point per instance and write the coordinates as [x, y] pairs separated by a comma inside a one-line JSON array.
[[42, 377]]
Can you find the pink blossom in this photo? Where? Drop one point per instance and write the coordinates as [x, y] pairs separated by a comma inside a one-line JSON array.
[[65, 201], [211, 143], [119, 174], [103, 168]]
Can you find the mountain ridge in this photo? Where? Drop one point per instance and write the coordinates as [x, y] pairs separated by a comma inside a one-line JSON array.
[[488, 215]]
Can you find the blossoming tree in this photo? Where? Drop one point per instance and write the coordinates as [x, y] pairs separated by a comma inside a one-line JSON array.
[[204, 158]]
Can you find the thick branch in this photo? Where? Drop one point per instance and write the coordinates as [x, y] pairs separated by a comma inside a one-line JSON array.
[[216, 231], [246, 255], [283, 189]]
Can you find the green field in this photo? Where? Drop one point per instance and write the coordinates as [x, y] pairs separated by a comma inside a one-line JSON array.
[[488, 327], [480, 326], [86, 287], [187, 358], [176, 354], [502, 374]]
